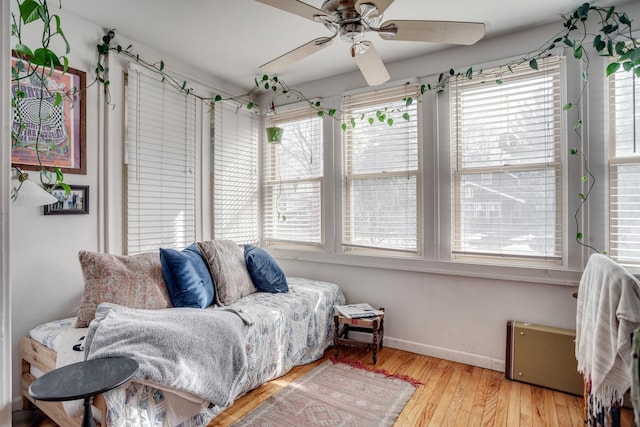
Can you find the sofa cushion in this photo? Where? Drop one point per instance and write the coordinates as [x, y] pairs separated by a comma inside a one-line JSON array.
[[134, 281], [266, 274], [228, 270], [187, 276]]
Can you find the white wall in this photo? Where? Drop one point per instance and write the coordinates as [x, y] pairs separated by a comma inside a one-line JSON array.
[[458, 317]]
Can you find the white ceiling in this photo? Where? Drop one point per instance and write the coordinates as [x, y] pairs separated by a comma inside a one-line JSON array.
[[232, 38]]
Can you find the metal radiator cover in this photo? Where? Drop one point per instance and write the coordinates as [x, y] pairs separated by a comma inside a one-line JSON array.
[[543, 356]]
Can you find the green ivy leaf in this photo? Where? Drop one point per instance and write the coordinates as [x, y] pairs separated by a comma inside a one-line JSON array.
[[408, 101], [265, 78], [217, 98], [161, 65], [533, 64], [579, 236], [317, 104], [620, 46], [353, 122], [250, 105], [344, 126], [577, 125], [332, 112], [423, 89], [573, 151], [58, 100], [23, 50], [390, 121], [627, 66], [320, 113], [498, 81], [371, 121], [581, 196], [577, 52], [583, 179], [624, 19], [567, 106], [612, 68], [567, 42], [29, 11], [406, 116]]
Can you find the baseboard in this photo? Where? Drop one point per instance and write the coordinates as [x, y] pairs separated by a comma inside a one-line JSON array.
[[445, 353]]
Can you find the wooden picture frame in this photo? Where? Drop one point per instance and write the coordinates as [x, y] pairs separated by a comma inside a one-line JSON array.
[[76, 203], [62, 140]]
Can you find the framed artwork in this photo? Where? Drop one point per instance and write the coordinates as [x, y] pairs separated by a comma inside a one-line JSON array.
[[76, 203], [62, 133]]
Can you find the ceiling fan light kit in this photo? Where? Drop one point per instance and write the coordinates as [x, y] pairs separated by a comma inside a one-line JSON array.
[[352, 19]]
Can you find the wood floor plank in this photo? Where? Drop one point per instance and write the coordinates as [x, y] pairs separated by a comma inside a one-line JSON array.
[[452, 394], [513, 410]]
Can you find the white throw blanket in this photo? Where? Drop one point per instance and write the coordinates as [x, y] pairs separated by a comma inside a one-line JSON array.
[[608, 311], [198, 354]]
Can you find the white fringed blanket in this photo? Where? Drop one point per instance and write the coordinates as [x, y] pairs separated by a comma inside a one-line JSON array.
[[607, 313]]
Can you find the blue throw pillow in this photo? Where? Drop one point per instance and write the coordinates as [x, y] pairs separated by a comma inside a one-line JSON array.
[[187, 276], [265, 272]]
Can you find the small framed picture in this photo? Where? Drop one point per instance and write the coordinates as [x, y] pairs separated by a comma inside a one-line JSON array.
[[75, 203]]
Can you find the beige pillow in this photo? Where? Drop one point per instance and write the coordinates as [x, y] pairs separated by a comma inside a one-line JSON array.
[[134, 281], [230, 275]]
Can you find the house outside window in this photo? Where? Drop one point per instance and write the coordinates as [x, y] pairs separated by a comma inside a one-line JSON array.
[[382, 176], [507, 145]]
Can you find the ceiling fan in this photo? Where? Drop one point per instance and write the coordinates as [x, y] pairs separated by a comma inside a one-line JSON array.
[[351, 19]]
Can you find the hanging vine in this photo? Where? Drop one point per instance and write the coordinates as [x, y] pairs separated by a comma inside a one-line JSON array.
[[35, 65], [611, 37]]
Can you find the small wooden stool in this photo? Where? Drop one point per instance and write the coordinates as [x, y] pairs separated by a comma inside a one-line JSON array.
[[371, 325]]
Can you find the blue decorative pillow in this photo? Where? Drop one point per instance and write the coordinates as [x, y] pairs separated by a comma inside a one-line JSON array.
[[265, 272], [187, 276]]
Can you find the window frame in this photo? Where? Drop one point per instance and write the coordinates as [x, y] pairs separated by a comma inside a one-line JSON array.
[[558, 167]]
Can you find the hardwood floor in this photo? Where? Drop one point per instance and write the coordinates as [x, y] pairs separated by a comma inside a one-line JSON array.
[[453, 394]]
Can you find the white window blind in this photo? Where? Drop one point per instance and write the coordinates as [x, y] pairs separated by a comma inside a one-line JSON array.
[[160, 162], [292, 178], [507, 153], [624, 168], [235, 174], [382, 173]]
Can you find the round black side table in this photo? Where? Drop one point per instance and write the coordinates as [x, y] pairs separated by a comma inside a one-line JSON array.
[[83, 380]]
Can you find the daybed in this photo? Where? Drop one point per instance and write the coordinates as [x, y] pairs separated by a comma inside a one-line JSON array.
[[193, 361]]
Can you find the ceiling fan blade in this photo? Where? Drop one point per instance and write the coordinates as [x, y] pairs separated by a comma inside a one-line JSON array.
[[381, 5], [296, 55], [434, 31], [296, 7], [370, 64]]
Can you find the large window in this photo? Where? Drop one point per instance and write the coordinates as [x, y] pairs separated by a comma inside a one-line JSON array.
[[293, 171], [382, 173], [624, 168], [234, 168], [507, 165], [160, 204]]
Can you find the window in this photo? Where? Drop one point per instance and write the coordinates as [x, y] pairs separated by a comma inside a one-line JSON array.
[[293, 171], [382, 174], [160, 183], [506, 151], [234, 168], [624, 168]]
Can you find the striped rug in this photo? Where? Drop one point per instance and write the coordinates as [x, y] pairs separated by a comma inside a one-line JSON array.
[[335, 393]]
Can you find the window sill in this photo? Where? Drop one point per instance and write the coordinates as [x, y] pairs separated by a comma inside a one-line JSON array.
[[534, 274]]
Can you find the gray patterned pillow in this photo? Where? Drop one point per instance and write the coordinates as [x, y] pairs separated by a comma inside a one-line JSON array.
[[229, 272], [134, 281]]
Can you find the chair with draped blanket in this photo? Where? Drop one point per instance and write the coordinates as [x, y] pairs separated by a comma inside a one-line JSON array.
[[608, 311]]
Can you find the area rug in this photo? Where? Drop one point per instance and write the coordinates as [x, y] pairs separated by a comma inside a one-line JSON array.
[[335, 393]]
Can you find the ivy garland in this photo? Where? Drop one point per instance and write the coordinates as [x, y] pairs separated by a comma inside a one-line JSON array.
[[612, 38]]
